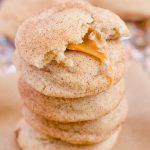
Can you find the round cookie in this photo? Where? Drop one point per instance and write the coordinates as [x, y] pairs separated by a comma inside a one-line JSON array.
[[129, 10], [28, 139], [89, 132], [46, 37], [86, 78], [71, 110], [11, 18]]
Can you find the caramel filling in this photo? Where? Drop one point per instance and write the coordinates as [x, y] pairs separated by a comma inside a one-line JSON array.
[[91, 45]]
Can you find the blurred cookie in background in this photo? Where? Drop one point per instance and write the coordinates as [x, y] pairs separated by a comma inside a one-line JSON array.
[[14, 12], [129, 10]]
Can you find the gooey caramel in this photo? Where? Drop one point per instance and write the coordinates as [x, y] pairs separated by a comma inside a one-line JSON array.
[[91, 45]]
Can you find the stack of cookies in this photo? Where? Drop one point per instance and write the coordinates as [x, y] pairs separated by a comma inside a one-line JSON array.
[[71, 65]]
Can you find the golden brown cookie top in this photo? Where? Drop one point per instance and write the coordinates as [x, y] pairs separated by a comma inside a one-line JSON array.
[[46, 37]]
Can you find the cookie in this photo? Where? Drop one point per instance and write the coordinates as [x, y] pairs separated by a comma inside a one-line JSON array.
[[11, 18], [129, 10], [28, 139], [71, 110], [88, 132], [70, 25], [86, 78]]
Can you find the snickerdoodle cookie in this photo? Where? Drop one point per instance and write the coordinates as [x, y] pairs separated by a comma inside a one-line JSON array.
[[88, 132], [86, 77], [28, 139], [71, 110], [73, 25]]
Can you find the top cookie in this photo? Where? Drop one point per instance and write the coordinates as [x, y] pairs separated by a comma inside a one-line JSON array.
[[130, 10], [70, 25]]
